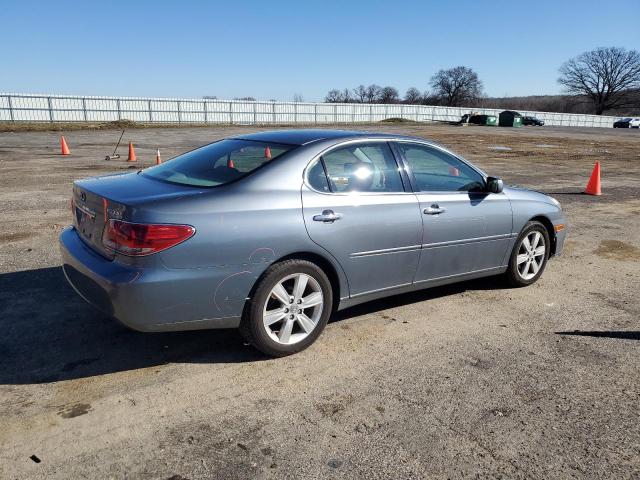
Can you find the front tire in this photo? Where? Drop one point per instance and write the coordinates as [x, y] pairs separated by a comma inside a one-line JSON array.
[[529, 256], [290, 307]]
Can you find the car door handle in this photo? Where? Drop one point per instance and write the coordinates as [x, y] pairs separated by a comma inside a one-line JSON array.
[[327, 216], [434, 209]]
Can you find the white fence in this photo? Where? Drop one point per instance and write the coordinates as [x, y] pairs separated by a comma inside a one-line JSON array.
[[62, 108]]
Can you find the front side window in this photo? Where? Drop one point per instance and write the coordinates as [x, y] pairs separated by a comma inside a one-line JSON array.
[[438, 171], [218, 163], [361, 167]]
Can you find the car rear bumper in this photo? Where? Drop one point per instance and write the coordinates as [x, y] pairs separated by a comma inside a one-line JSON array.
[[155, 299]]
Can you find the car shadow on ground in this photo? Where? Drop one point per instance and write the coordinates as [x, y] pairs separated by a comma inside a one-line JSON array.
[[50, 334], [623, 335]]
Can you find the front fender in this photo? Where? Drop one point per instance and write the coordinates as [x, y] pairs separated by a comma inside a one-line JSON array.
[[527, 205]]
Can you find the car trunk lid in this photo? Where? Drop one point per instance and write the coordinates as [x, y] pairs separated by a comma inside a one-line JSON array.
[[89, 217], [96, 200]]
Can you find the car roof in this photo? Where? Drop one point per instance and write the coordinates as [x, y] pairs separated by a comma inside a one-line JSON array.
[[305, 136]]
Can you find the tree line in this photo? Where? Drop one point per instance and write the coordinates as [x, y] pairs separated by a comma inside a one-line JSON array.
[[604, 79]]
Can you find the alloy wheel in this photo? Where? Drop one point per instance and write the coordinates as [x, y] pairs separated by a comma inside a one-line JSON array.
[[293, 308], [531, 255]]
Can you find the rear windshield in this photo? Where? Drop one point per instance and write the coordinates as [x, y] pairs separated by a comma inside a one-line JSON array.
[[218, 163]]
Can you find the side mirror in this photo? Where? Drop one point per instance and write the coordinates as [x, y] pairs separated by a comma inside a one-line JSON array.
[[495, 185]]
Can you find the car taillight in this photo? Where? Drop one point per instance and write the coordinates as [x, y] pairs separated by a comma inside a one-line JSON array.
[[137, 239]]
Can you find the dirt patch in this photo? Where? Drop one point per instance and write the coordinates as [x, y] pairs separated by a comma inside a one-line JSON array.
[[457, 381], [617, 250], [74, 410], [15, 237], [334, 404]]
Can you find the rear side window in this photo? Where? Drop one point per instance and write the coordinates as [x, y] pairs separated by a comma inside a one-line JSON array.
[[438, 171], [362, 167], [317, 178], [218, 163]]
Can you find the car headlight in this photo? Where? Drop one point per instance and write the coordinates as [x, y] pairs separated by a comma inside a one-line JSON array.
[[555, 202]]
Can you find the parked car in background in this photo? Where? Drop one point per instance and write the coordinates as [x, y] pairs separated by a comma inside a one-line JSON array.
[[628, 122], [535, 121], [272, 232]]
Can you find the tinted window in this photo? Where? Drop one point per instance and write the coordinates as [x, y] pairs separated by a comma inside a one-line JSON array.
[[218, 163], [363, 167], [437, 171]]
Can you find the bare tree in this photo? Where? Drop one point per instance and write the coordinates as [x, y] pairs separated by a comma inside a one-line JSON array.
[[360, 93], [245, 99], [373, 93], [457, 86], [389, 95], [346, 96], [334, 96], [298, 98], [413, 96], [604, 75], [430, 98]]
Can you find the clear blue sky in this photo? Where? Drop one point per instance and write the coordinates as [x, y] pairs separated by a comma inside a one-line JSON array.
[[273, 49]]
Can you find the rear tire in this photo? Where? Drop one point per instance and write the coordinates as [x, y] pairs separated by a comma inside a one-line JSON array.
[[529, 256], [290, 307]]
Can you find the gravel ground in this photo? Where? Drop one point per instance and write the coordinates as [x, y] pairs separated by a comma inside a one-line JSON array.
[[467, 381]]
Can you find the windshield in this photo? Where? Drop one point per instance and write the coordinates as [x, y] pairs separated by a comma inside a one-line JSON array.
[[217, 163]]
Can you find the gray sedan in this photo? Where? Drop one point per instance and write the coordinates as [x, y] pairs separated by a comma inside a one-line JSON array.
[[272, 232]]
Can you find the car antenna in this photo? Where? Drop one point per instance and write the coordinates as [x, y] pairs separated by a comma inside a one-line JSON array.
[[114, 155]]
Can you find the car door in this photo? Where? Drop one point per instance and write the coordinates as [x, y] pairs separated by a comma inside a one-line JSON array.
[[465, 228], [355, 206]]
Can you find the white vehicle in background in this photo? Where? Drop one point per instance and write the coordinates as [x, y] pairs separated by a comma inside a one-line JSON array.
[[627, 123]]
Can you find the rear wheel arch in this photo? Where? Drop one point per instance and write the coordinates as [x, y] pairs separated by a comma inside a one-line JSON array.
[[329, 269], [325, 265]]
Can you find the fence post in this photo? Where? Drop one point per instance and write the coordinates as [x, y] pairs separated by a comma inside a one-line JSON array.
[[295, 113], [370, 113], [315, 113], [179, 111], [84, 109], [11, 117], [204, 109], [273, 112], [118, 107], [50, 109], [149, 108], [335, 113], [230, 113], [255, 117]]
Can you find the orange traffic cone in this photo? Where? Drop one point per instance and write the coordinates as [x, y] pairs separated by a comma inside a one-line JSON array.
[[132, 153], [593, 187], [230, 164], [64, 147], [267, 153], [158, 159]]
